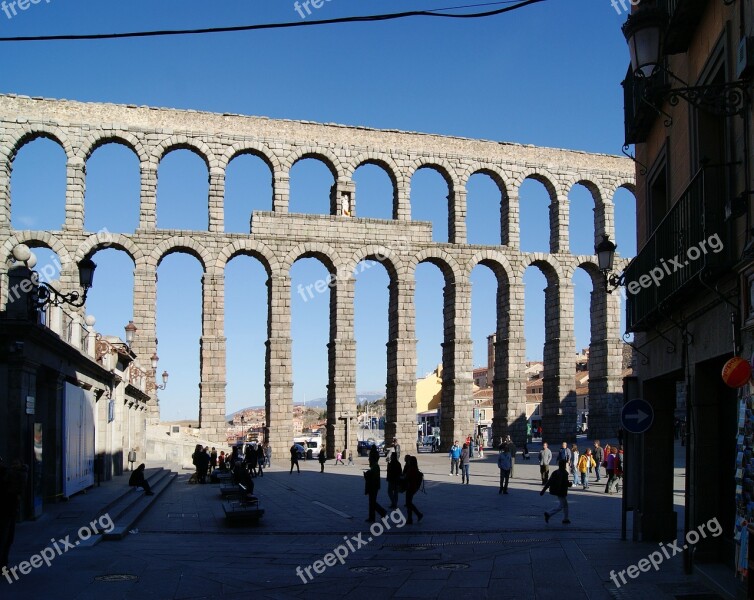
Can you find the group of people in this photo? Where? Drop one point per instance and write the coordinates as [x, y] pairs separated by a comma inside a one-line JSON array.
[[255, 456], [407, 479], [582, 465]]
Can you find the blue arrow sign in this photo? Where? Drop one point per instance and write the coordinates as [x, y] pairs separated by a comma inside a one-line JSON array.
[[637, 416]]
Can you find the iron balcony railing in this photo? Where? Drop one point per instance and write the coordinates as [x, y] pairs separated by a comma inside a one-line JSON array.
[[691, 241]]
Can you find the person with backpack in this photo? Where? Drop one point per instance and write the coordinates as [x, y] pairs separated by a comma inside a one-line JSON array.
[[558, 483], [414, 480]]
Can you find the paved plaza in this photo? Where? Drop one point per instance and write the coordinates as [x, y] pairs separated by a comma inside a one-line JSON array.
[[472, 542]]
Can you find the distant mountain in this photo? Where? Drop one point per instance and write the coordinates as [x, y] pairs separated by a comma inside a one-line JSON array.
[[317, 403]]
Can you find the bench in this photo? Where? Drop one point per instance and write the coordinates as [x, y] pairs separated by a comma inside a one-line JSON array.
[[243, 510]]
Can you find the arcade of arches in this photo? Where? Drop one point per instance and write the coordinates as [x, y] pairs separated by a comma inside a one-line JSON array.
[[340, 240]]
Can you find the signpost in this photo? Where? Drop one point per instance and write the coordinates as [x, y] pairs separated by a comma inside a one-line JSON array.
[[637, 416]]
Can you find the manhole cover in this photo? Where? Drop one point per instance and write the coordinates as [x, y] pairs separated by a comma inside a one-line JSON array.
[[451, 567], [116, 578], [369, 570]]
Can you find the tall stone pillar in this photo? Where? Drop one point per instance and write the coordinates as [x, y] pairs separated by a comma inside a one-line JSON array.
[[74, 194], [604, 221], [510, 221], [145, 319], [457, 216], [212, 358], [281, 192], [559, 393], [400, 421], [216, 200], [605, 365], [148, 208], [341, 387], [559, 210], [509, 382], [402, 201], [457, 377], [5, 207], [279, 368]]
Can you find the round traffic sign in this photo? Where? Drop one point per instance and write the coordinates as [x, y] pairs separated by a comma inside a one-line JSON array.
[[637, 416]]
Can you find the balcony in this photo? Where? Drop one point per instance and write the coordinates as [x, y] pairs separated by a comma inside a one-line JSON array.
[[640, 98], [684, 19], [692, 241]]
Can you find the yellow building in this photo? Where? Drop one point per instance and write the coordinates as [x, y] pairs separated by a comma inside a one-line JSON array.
[[429, 391]]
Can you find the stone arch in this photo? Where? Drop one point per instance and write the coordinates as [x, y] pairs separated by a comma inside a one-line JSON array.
[[182, 142], [496, 261], [443, 167], [541, 175], [442, 259], [29, 133], [102, 138], [494, 172], [254, 149], [36, 239], [385, 256], [548, 265], [379, 159], [253, 248], [325, 253], [328, 157], [100, 241], [595, 188], [181, 244]]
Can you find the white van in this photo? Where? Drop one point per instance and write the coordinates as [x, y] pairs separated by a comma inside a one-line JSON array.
[[312, 444]]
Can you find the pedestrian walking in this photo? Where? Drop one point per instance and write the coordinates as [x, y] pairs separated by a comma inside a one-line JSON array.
[[545, 457], [585, 464], [564, 453], [455, 456], [260, 459], [504, 464], [465, 458], [339, 457], [397, 448], [212, 460], [610, 469], [267, 455], [574, 462], [294, 459], [350, 458], [414, 478], [322, 459], [599, 456], [558, 485], [250, 458], [371, 488], [394, 474], [512, 450]]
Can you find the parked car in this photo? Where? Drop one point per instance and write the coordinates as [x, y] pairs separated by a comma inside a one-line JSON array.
[[364, 446]]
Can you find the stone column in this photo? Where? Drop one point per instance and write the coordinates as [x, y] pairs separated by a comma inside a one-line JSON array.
[[510, 221], [281, 192], [148, 208], [74, 194], [559, 225], [604, 221], [457, 216], [402, 201], [559, 394], [457, 377], [145, 319], [341, 387], [212, 358], [216, 200], [509, 383], [279, 369], [605, 365], [400, 421], [5, 205]]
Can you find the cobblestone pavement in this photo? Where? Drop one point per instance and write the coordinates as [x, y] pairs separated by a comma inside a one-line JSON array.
[[472, 543]]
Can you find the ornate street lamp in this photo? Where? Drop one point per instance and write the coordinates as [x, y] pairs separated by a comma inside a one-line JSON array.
[[43, 294], [644, 32], [605, 252], [152, 380], [130, 332]]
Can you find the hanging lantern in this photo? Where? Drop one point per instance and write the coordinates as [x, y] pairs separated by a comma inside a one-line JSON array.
[[736, 372]]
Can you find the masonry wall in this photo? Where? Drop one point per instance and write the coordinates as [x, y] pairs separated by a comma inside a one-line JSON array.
[[277, 239]]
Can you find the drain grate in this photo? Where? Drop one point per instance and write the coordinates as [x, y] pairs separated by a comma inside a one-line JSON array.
[[116, 577], [369, 569]]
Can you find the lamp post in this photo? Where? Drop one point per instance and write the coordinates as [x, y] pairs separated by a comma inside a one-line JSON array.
[[605, 252], [42, 294], [152, 381]]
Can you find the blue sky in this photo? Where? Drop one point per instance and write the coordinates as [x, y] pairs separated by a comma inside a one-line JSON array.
[[548, 75]]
